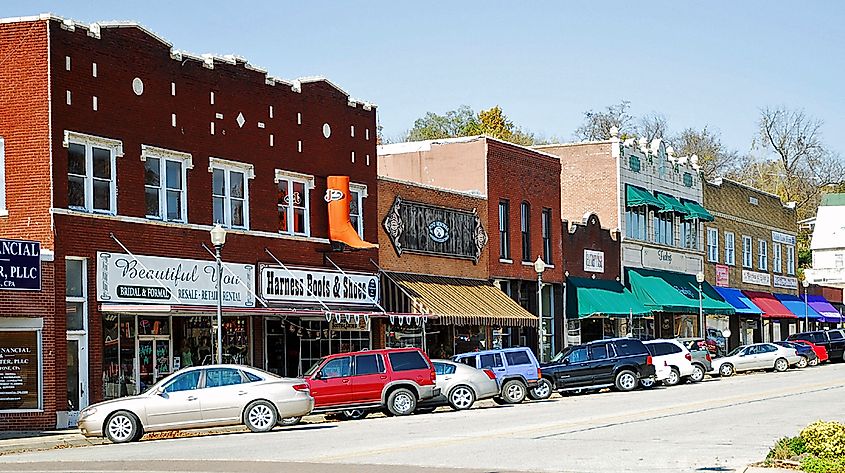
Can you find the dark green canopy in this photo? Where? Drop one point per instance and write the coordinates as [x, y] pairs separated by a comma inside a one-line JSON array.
[[666, 291], [696, 211], [637, 196], [600, 297], [670, 204]]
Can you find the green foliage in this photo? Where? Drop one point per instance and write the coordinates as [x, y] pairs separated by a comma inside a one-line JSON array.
[[825, 439], [823, 465], [465, 122], [787, 448]]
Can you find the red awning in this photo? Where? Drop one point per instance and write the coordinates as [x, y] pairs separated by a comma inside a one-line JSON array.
[[771, 307]]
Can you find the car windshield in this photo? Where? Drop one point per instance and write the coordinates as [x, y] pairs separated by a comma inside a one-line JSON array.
[[735, 351], [314, 367]]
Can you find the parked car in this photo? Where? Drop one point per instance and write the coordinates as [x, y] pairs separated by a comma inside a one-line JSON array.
[[619, 363], [460, 386], [701, 359], [758, 356], [201, 396], [716, 342], [821, 352], [517, 372], [672, 358], [832, 340], [356, 383], [805, 352]]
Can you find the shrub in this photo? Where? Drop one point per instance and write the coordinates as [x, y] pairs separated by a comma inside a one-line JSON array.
[[825, 440], [787, 448], [823, 465]]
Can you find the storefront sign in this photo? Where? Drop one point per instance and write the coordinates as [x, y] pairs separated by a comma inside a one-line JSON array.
[[753, 277], [312, 286], [785, 282], [362, 325], [20, 265], [722, 275], [594, 261], [784, 238], [137, 279], [19, 370], [655, 258]]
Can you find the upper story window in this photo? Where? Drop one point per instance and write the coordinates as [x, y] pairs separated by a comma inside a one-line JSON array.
[[525, 228], [91, 173], [634, 163], [713, 245], [547, 236], [664, 232], [763, 256], [76, 294], [747, 252], [230, 192], [636, 225], [689, 234], [504, 229], [688, 179], [293, 202], [165, 183], [777, 258], [730, 248], [790, 260], [357, 194]]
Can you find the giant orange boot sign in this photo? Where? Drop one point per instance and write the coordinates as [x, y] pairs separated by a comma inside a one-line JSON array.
[[340, 226]]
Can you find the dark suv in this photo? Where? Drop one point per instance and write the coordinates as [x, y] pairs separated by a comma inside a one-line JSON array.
[[618, 363], [832, 340]]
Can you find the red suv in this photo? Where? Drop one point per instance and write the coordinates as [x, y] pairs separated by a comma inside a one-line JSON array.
[[355, 383]]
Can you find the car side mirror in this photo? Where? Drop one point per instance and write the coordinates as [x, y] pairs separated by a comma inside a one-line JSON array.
[[160, 392], [315, 375], [566, 361]]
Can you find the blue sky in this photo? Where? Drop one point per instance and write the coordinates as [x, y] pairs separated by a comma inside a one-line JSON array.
[[544, 63]]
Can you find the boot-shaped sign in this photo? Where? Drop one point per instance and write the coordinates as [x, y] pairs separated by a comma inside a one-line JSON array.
[[340, 226]]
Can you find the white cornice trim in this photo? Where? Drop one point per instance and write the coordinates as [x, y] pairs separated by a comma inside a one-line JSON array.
[[749, 222], [111, 143], [155, 151], [247, 168], [282, 174]]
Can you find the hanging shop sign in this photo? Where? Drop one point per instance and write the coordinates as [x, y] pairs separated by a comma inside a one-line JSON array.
[[123, 278], [593, 261], [19, 370], [312, 286], [785, 238], [785, 282], [754, 277], [723, 275], [20, 265], [415, 227]]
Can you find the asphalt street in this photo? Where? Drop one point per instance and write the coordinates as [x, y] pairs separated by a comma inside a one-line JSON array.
[[717, 425]]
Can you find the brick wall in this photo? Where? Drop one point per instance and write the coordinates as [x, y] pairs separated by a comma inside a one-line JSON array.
[[589, 235]]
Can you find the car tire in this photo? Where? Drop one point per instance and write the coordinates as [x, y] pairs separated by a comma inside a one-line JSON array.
[[726, 370], [674, 378], [542, 391], [814, 362], [514, 391], [498, 400], [354, 414], [697, 374], [626, 380], [289, 421], [802, 362], [122, 427], [401, 402], [461, 397], [647, 383], [781, 365], [260, 416]]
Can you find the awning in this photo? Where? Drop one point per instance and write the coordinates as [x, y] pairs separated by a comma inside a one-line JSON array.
[[825, 308], [696, 211], [772, 308], [665, 291], [670, 204], [462, 301], [637, 196], [797, 306], [599, 297], [739, 301]]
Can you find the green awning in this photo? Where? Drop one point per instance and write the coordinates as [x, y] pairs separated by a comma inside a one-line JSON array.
[[670, 204], [637, 196], [598, 297], [665, 291], [696, 211]]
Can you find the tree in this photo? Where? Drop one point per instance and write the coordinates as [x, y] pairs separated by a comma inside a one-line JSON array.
[[715, 160], [597, 125], [458, 122], [651, 127], [495, 123]]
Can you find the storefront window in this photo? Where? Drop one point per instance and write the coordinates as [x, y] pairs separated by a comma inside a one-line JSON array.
[[193, 341], [470, 338], [439, 341], [403, 335], [686, 326]]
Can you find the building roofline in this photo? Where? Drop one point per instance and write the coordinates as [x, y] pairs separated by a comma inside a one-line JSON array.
[[577, 143], [472, 194], [425, 145], [719, 180]]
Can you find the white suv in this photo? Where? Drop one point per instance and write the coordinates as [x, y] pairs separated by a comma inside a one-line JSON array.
[[672, 361]]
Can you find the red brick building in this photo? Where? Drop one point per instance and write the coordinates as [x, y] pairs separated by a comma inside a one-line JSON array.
[[120, 155]]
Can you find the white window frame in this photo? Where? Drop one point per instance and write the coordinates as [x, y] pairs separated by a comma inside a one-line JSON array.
[[713, 244], [4, 211], [361, 189], [790, 260], [115, 148], [308, 182], [747, 251], [228, 167], [730, 248], [186, 162], [79, 299], [777, 257], [763, 255]]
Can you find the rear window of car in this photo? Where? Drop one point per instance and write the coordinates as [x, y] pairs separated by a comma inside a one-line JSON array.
[[407, 361], [517, 358], [467, 360], [368, 364], [252, 378], [662, 348], [443, 368], [834, 335], [630, 347]]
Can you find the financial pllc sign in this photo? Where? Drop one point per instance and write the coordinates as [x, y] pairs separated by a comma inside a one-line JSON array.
[[20, 265]]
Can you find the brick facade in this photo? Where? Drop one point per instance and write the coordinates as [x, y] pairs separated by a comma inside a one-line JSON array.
[[589, 234]]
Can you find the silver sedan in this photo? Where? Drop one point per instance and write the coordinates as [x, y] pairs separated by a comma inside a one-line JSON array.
[[758, 356], [460, 386], [202, 396]]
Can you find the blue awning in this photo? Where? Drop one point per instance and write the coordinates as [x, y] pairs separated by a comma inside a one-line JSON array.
[[829, 313], [797, 306], [740, 301]]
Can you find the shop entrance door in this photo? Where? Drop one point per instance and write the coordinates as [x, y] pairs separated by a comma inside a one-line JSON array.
[[154, 360], [77, 375]]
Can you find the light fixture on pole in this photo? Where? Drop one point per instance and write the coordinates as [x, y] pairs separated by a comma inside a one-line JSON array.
[[806, 284], [218, 239], [699, 277], [539, 267]]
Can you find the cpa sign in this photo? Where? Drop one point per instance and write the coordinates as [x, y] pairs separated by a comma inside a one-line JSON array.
[[20, 265]]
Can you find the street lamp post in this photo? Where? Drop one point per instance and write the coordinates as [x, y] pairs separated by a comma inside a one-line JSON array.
[[218, 239], [539, 267], [806, 284], [699, 277]]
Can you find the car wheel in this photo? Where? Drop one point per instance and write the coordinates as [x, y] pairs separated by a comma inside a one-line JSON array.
[[814, 362], [260, 416], [673, 379], [354, 414], [542, 391], [461, 397], [626, 380], [401, 402], [123, 427], [513, 392], [802, 362], [781, 365], [697, 374], [647, 383], [288, 421], [726, 370]]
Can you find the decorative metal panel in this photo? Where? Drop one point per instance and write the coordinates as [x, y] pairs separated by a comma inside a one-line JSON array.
[[422, 228]]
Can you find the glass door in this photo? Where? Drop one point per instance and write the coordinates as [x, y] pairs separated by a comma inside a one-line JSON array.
[[77, 376], [154, 361]]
